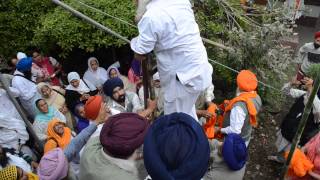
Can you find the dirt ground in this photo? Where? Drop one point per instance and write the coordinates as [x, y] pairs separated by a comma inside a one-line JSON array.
[[262, 145]]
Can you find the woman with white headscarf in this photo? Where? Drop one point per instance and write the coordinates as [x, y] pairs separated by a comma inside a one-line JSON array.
[[113, 72], [95, 74], [55, 96], [78, 90]]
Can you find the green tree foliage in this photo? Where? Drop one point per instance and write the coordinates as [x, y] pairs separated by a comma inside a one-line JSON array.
[[69, 32], [257, 39], [18, 20], [42, 24]]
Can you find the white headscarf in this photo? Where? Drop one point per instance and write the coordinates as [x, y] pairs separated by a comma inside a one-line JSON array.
[[156, 76], [82, 88], [98, 77], [110, 68]]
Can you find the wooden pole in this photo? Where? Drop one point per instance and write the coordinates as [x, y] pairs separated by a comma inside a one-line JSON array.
[[301, 126], [37, 142], [145, 81]]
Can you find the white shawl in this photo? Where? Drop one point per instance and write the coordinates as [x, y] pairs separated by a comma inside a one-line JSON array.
[[98, 77], [12, 131], [83, 87]]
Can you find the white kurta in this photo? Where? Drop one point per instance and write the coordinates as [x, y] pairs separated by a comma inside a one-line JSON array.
[[27, 92], [175, 38]]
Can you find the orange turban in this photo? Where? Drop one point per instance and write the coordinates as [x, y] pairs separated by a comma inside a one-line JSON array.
[[92, 107], [247, 81]]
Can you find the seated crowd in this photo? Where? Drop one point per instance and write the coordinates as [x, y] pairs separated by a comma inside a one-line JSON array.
[[96, 126]]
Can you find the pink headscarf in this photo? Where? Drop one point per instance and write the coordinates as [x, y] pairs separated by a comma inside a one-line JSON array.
[[53, 165], [313, 151]]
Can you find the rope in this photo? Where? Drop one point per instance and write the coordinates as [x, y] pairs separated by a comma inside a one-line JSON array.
[[109, 15], [204, 39]]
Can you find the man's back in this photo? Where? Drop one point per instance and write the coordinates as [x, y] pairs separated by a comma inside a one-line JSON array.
[[173, 23]]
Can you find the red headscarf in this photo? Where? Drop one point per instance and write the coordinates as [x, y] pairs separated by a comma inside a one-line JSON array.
[[317, 35]]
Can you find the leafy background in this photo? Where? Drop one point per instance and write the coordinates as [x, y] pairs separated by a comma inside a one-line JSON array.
[[257, 41]]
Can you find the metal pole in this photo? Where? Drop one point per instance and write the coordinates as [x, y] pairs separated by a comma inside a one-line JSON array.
[[38, 144]]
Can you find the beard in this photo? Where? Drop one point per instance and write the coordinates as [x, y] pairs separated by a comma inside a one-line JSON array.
[[121, 99], [316, 45], [141, 9], [28, 74]]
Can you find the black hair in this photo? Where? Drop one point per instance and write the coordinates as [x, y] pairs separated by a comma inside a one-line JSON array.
[[37, 101], [4, 160], [9, 62], [28, 74]]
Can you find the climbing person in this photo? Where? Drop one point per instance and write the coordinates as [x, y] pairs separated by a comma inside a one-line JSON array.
[[181, 56]]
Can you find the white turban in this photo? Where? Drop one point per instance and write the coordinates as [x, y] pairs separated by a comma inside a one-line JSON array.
[[21, 55]]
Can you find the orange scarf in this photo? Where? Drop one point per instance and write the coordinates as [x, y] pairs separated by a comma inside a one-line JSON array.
[[299, 165], [217, 120], [212, 122], [55, 140], [246, 98]]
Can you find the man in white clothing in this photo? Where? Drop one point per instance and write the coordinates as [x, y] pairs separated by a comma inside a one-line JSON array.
[[170, 30], [24, 87], [309, 54]]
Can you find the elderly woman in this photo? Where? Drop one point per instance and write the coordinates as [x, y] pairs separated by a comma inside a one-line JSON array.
[[54, 96], [78, 90], [55, 163], [95, 74], [58, 135], [113, 72], [45, 114]]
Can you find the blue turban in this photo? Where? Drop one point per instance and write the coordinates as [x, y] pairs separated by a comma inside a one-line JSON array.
[[176, 148], [24, 64], [234, 151], [110, 84]]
